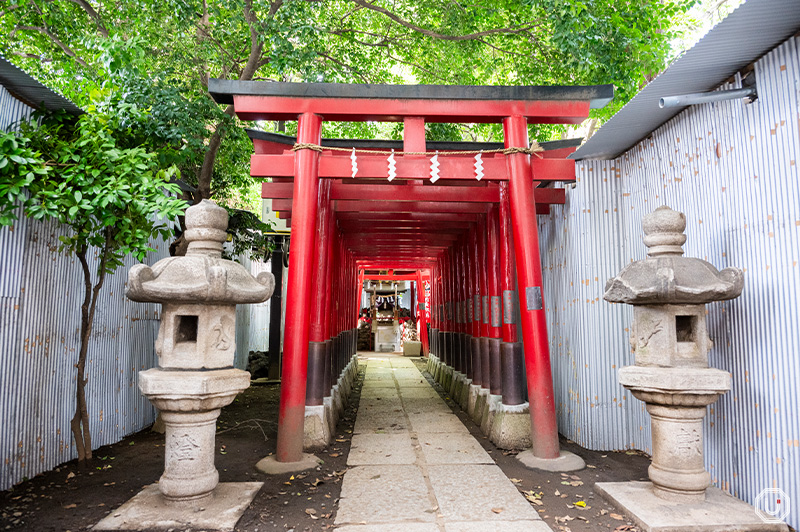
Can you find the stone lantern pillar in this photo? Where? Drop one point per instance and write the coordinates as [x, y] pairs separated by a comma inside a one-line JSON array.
[[195, 377], [671, 375]]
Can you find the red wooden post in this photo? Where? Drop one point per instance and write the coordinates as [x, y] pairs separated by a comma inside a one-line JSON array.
[[291, 411], [493, 271], [475, 318], [544, 430], [315, 385], [484, 283], [511, 349]]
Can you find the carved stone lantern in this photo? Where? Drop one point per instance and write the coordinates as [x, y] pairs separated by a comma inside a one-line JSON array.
[[195, 346], [671, 375]]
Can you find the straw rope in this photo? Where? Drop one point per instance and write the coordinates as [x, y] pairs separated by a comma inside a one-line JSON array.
[[535, 149]]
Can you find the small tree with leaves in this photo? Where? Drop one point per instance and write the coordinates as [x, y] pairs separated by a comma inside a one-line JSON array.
[[87, 174]]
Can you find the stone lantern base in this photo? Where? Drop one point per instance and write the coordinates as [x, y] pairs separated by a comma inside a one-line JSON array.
[[719, 512], [149, 510]]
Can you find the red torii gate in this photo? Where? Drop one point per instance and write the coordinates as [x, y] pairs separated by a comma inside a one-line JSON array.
[[345, 224]]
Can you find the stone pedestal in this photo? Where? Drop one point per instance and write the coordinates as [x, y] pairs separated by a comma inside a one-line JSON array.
[[190, 402], [195, 377], [671, 376], [480, 405], [511, 427], [316, 428], [489, 409], [717, 512], [474, 392]]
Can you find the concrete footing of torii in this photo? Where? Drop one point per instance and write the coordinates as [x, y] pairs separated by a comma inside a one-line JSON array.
[[507, 426]]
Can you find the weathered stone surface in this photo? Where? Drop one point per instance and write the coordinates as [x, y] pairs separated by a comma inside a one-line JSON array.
[[316, 428], [390, 527], [476, 492], [384, 494], [511, 427], [452, 448], [487, 419], [717, 512], [436, 422], [149, 510], [381, 449], [670, 343], [498, 526], [667, 277], [198, 293], [201, 276]]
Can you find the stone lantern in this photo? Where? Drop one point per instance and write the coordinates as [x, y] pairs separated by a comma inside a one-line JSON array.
[[671, 375], [195, 348]]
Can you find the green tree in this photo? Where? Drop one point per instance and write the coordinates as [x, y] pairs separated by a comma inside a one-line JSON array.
[[77, 45], [111, 195]]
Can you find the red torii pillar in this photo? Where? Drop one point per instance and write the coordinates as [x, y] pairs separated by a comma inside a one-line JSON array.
[[544, 429], [291, 411]]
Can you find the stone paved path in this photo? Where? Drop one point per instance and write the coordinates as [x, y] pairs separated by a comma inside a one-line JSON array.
[[414, 467]]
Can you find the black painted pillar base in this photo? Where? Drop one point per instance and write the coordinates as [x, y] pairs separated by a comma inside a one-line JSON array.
[[476, 360], [485, 363], [513, 370], [315, 379], [495, 373]]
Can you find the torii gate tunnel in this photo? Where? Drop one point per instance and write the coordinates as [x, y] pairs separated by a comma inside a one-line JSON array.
[[352, 211]]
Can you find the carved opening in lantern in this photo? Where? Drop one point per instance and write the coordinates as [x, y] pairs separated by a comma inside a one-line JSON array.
[[685, 327], [186, 331]]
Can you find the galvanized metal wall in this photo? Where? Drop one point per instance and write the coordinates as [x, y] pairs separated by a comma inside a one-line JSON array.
[[42, 292], [252, 321], [732, 169], [11, 110]]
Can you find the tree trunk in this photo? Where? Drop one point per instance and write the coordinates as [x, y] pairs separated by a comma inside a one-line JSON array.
[[80, 421], [81, 411]]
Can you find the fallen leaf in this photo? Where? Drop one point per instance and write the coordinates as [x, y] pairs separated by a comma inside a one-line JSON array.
[[581, 504], [516, 480], [497, 510], [616, 516], [590, 466], [334, 455], [311, 511], [71, 475], [67, 507], [557, 493]]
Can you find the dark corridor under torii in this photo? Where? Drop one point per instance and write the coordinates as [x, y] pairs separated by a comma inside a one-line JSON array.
[[464, 214]]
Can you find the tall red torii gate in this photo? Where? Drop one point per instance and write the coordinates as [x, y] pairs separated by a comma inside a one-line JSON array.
[[461, 229]]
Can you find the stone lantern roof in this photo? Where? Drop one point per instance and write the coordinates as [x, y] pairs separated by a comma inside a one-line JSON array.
[[666, 276], [202, 276]]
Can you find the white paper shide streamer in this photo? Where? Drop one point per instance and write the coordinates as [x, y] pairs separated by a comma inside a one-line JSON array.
[[392, 167], [478, 167], [354, 162], [435, 168]]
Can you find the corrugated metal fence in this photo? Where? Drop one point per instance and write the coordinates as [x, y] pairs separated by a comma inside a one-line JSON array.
[[732, 169], [41, 292]]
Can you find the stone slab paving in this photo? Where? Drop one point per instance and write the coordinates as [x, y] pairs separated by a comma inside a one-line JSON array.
[[415, 467]]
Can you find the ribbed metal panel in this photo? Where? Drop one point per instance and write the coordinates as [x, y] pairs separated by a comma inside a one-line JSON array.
[[12, 110], [39, 340], [732, 169], [259, 314]]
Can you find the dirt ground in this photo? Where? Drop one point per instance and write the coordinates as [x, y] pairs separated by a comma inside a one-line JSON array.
[[75, 496]]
